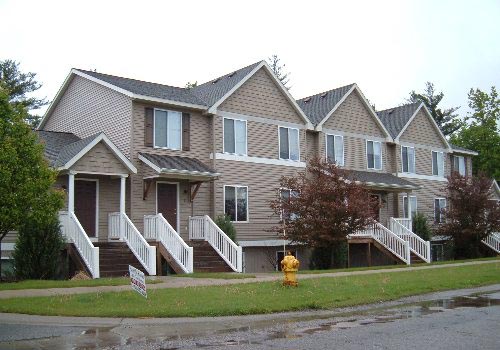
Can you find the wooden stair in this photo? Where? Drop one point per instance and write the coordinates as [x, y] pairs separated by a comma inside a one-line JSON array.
[[206, 259], [415, 259], [114, 259]]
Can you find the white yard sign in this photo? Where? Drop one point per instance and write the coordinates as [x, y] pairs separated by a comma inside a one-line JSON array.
[[138, 281]]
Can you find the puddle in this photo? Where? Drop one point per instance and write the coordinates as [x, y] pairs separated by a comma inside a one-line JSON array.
[[256, 332]]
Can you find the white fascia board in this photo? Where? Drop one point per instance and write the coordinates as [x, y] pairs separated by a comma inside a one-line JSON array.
[[111, 146], [319, 127], [150, 164], [176, 171], [495, 186], [471, 153], [374, 114], [422, 105]]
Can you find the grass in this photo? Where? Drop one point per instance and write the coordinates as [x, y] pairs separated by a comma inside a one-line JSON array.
[[217, 275], [44, 284], [257, 298]]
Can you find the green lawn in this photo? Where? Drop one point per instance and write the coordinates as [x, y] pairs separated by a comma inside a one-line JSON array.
[[43, 284], [217, 275], [255, 298]]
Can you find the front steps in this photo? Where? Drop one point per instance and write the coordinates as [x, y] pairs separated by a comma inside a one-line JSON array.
[[114, 259], [206, 259]]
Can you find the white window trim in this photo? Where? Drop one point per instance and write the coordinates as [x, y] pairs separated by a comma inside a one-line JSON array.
[[366, 155], [440, 213], [279, 143], [236, 202], [408, 163], [416, 205], [178, 201], [246, 137], [455, 158], [154, 129], [96, 238], [343, 148], [432, 164]]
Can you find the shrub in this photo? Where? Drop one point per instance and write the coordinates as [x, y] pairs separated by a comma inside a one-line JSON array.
[[37, 254], [226, 225], [333, 256], [421, 227]]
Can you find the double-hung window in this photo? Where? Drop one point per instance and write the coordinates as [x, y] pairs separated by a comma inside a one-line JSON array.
[[235, 136], [459, 165], [413, 206], [236, 202], [437, 163], [289, 143], [439, 207], [374, 155], [167, 129], [286, 195], [408, 159], [335, 149]]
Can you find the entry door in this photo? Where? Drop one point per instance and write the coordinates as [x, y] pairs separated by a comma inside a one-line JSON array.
[[376, 208], [167, 202], [85, 205]]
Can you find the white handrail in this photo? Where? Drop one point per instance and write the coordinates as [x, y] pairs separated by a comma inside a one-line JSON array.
[[157, 227], [420, 247], [405, 222], [74, 233], [145, 253], [222, 244], [493, 241], [388, 239]]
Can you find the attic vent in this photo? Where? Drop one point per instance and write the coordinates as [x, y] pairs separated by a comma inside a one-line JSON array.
[[323, 95], [231, 75], [307, 100], [390, 112], [215, 81]]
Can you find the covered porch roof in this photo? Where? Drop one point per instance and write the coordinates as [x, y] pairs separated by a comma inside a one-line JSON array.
[[382, 181]]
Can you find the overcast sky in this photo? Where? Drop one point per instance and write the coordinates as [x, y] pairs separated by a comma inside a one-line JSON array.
[[387, 47]]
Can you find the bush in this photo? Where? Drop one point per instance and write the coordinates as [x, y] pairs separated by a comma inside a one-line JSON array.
[[334, 256], [421, 227], [226, 225], [37, 254]]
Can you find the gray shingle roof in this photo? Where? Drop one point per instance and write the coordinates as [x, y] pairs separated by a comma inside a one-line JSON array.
[[179, 164], [458, 148], [316, 107], [148, 89], [394, 119], [71, 150], [384, 179], [213, 90]]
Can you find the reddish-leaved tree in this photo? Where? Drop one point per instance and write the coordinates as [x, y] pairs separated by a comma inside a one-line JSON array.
[[321, 205], [471, 216]]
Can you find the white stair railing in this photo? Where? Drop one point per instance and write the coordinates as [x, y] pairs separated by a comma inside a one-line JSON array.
[[157, 227], [145, 253], [114, 228], [396, 245], [418, 246], [74, 233], [204, 228], [493, 241]]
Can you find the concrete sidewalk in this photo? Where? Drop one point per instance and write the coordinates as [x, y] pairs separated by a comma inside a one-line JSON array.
[[183, 282]]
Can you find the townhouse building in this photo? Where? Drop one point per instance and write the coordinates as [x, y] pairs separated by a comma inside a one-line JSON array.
[[148, 167]]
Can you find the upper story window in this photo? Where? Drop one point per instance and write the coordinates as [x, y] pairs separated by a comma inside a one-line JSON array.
[[408, 159], [439, 207], [236, 202], [413, 206], [235, 136], [335, 149], [459, 165], [374, 155], [289, 143], [167, 129], [437, 163]]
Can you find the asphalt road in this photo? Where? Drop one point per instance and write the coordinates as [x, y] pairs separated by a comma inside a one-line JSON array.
[[466, 319]]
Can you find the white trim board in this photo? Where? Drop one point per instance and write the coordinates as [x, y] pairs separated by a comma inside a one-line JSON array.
[[174, 171], [258, 160], [8, 246], [262, 120], [421, 177]]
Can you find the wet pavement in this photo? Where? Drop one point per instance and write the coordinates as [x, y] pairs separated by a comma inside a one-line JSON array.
[[466, 319]]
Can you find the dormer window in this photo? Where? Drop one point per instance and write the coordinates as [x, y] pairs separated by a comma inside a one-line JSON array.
[[167, 129]]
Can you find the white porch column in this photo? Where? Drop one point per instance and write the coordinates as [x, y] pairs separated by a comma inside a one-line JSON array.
[[71, 192], [408, 207], [123, 181]]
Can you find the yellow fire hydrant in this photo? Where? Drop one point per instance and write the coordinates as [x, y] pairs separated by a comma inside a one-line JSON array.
[[290, 266]]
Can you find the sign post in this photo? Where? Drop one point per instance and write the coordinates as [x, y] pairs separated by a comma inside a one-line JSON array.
[[137, 281]]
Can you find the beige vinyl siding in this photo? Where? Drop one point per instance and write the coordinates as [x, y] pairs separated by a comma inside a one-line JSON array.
[[421, 131], [312, 139], [87, 108], [392, 158], [423, 161], [353, 116], [100, 159], [262, 181], [259, 96]]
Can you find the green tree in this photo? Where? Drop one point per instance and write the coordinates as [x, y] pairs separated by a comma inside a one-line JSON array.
[[279, 70], [225, 224], [26, 179], [190, 85], [482, 132], [18, 86], [447, 120]]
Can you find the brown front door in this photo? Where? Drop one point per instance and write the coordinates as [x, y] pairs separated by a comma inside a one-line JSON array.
[[375, 199], [85, 205], [167, 202]]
